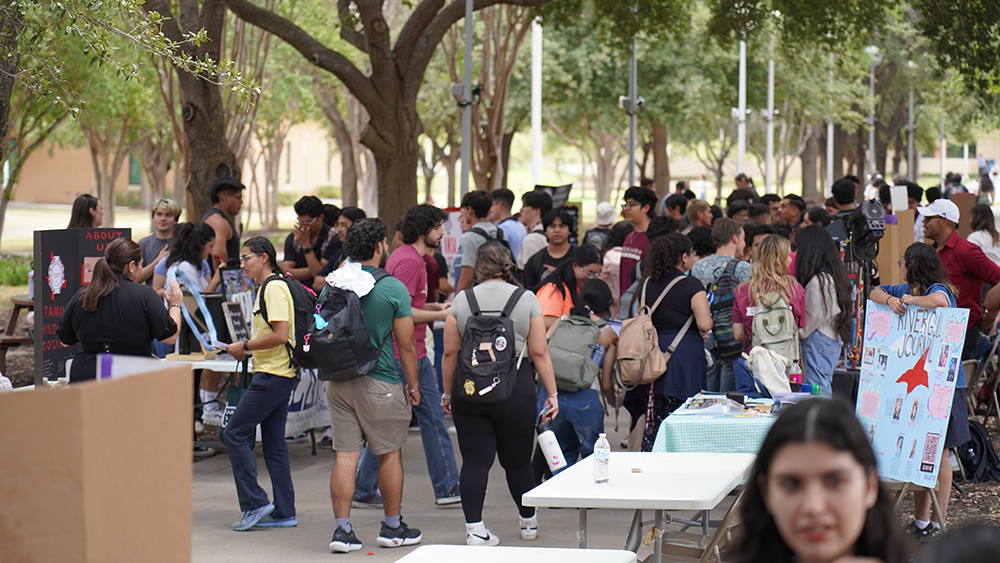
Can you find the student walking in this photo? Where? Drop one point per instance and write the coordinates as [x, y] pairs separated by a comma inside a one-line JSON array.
[[265, 402], [503, 430]]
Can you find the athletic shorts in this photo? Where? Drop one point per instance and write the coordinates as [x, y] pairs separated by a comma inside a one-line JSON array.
[[368, 410]]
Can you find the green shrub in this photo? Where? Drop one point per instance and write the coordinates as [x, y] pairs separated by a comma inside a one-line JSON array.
[[14, 269], [127, 199], [288, 199], [327, 193]]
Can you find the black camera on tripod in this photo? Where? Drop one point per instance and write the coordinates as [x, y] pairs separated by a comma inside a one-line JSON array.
[[865, 227]]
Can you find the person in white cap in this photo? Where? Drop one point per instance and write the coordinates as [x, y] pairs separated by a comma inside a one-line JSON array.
[[967, 266], [605, 217]]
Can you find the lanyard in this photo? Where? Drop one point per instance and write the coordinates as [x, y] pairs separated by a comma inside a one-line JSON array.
[[172, 273]]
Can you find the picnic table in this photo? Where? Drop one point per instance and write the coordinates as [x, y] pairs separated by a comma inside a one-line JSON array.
[[7, 339]]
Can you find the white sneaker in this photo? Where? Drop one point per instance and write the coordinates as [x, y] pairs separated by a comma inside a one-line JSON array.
[[529, 528], [212, 417], [479, 534]]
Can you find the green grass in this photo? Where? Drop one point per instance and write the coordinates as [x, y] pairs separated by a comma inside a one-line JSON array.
[[14, 270]]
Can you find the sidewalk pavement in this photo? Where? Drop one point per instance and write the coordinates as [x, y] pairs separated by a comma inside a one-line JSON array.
[[215, 509]]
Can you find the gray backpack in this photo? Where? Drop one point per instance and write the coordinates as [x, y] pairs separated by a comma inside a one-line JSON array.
[[571, 349]]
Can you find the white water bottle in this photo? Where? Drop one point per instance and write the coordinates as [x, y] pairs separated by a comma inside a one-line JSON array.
[[602, 456], [550, 447]]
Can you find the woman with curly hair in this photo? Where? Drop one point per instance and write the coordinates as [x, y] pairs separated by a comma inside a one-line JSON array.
[[668, 258], [814, 494]]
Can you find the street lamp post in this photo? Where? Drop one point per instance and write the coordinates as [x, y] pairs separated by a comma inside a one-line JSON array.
[[741, 118], [769, 186], [536, 102], [877, 57]]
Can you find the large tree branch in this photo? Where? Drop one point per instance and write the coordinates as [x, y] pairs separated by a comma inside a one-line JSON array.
[[427, 42], [314, 51], [347, 31], [414, 29], [169, 27]]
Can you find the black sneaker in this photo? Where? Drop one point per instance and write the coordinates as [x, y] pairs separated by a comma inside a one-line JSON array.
[[344, 542], [395, 537], [930, 532], [913, 529]]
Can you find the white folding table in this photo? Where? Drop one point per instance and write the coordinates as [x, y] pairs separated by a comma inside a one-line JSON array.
[[667, 481], [505, 554]]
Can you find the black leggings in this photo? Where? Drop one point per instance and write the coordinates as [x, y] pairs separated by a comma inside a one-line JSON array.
[[506, 431]]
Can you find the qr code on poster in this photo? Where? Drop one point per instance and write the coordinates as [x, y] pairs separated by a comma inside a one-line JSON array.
[[930, 458]]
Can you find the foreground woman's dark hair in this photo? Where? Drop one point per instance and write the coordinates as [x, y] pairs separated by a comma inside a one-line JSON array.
[[833, 423]]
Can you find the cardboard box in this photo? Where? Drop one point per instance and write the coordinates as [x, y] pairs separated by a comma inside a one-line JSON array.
[[894, 243], [965, 203], [99, 471]]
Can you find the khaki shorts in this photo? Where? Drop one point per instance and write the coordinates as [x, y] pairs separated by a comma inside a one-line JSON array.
[[367, 409]]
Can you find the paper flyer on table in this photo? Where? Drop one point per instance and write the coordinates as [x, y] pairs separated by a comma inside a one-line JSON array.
[[909, 368]]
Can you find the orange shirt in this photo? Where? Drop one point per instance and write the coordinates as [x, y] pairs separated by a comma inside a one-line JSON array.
[[552, 302]]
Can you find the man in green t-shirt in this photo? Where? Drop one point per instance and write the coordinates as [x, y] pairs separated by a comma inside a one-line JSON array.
[[375, 409]]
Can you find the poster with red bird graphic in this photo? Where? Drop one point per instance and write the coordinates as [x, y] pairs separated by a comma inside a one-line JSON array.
[[910, 368]]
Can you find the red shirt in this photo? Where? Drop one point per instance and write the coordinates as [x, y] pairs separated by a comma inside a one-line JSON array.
[[632, 251], [968, 269], [407, 266]]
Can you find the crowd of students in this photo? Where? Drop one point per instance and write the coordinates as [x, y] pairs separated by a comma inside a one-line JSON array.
[[702, 275]]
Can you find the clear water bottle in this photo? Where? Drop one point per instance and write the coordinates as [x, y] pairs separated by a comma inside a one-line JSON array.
[[602, 455]]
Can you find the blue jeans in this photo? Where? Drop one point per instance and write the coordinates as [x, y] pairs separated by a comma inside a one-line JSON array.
[[580, 421], [721, 376], [438, 354], [265, 403], [438, 451], [820, 355]]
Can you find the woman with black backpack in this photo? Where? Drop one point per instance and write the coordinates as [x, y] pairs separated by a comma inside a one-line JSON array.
[[265, 402], [495, 418]]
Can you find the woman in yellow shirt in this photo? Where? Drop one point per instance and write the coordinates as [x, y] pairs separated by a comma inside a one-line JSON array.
[[266, 400]]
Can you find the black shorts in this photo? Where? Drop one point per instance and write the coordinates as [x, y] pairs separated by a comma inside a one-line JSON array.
[[958, 422]]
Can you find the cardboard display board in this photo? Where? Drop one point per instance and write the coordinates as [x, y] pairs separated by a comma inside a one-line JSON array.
[[909, 369], [965, 203], [69, 495], [64, 262], [898, 237]]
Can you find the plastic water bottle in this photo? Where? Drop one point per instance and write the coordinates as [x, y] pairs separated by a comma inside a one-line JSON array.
[[602, 455], [795, 377], [550, 447]]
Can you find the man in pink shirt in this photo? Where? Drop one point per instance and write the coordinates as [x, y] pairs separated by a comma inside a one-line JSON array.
[[638, 209], [423, 228]]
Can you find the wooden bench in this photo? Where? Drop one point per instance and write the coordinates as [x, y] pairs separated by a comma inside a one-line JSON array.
[[7, 342]]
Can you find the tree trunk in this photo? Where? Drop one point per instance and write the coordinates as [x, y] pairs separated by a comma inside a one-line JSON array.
[[661, 162], [861, 156], [839, 145], [508, 139], [397, 185], [897, 152], [11, 22], [809, 158]]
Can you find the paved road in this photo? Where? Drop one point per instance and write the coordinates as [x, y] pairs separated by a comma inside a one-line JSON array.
[[215, 509]]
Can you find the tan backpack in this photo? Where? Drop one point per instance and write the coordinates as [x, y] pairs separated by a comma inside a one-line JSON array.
[[638, 358]]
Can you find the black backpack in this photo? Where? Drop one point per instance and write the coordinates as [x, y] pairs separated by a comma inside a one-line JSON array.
[[500, 236], [722, 298], [488, 363], [978, 456], [343, 348], [304, 303]]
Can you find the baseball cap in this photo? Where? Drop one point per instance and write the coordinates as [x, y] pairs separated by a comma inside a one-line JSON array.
[[225, 181], [605, 214], [941, 208]]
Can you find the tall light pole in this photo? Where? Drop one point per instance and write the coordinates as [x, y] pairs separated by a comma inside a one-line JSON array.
[[829, 140], [910, 133], [536, 102], [877, 57], [769, 186], [632, 107], [944, 150], [466, 102], [741, 117]]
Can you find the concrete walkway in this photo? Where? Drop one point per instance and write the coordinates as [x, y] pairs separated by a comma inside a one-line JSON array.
[[216, 508]]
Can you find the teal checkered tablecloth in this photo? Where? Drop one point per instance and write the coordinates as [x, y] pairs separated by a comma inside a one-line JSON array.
[[697, 433]]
